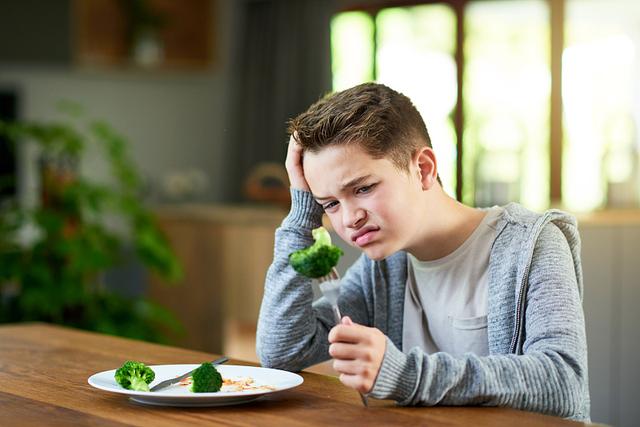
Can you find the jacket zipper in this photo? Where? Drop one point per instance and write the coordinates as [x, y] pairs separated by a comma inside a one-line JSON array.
[[523, 287], [519, 307]]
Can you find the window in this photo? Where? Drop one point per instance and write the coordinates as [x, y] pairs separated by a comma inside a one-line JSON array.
[[415, 56], [411, 50], [506, 103], [504, 145], [601, 98], [351, 49]]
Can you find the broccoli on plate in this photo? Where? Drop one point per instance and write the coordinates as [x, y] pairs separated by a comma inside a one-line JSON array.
[[134, 376], [206, 379], [318, 259]]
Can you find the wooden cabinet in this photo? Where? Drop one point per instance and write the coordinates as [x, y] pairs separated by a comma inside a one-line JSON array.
[[112, 34], [225, 251], [165, 34]]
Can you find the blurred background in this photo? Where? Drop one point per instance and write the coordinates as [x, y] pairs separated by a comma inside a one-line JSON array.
[[143, 181]]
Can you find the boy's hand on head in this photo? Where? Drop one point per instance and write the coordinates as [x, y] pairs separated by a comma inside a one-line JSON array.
[[293, 163], [357, 352]]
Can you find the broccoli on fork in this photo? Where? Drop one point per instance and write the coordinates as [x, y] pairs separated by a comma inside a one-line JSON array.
[[134, 376], [318, 259]]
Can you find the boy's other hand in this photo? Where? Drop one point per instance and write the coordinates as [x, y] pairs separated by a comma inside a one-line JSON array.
[[357, 352], [293, 163]]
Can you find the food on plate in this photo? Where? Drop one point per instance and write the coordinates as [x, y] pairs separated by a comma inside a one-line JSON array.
[[206, 379], [134, 375], [243, 384], [230, 385], [318, 259]]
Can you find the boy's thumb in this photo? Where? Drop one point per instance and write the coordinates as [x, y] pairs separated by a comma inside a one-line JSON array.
[[346, 320]]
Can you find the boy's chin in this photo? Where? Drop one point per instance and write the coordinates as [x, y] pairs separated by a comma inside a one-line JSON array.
[[375, 253]]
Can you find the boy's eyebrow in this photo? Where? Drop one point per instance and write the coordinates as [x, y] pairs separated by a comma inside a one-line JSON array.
[[352, 183]]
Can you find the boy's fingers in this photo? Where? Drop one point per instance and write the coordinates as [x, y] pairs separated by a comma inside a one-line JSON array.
[[344, 351], [346, 333], [346, 320], [293, 141], [346, 366], [293, 164], [294, 151], [355, 382]]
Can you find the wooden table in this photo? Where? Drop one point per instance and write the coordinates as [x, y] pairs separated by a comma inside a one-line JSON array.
[[43, 382]]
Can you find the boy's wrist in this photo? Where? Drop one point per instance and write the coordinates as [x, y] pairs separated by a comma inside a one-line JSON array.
[[395, 380], [305, 212]]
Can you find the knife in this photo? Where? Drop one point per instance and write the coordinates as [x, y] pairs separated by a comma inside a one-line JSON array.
[[172, 381]]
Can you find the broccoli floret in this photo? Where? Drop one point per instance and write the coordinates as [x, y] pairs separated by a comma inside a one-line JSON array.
[[135, 376], [206, 379], [318, 259]]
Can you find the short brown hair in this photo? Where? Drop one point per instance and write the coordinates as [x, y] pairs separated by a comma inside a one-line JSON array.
[[385, 123]]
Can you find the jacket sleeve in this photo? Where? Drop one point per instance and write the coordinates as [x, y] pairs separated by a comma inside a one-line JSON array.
[[549, 377], [292, 329]]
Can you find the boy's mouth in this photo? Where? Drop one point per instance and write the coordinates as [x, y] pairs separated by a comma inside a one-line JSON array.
[[365, 235]]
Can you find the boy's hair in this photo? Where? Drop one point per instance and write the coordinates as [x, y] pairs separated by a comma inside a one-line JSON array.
[[383, 122]]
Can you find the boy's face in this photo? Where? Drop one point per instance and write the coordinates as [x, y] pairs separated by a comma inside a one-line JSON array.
[[371, 204]]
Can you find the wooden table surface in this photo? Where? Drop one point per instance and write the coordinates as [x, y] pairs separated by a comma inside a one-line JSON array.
[[43, 382]]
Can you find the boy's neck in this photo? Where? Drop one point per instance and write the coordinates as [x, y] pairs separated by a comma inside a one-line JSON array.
[[447, 225]]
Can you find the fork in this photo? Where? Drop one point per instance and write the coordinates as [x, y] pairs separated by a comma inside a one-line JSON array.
[[330, 288], [171, 381]]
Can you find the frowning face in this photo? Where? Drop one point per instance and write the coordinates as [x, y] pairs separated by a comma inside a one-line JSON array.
[[370, 202]]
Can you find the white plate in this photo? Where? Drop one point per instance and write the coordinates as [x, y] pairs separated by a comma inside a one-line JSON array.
[[274, 380]]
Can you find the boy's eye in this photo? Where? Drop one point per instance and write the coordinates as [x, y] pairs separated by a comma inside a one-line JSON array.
[[365, 189], [329, 205]]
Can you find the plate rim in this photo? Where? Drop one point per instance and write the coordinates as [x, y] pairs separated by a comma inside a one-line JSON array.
[[214, 396], [197, 403]]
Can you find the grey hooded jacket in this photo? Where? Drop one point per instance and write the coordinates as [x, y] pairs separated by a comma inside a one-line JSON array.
[[537, 347]]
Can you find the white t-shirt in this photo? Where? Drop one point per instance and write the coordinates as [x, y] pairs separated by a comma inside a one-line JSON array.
[[445, 306]]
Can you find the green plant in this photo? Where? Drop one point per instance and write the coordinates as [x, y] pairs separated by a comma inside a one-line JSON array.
[[53, 255], [134, 376]]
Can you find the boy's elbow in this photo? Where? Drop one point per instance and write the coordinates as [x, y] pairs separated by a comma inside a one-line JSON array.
[[574, 395], [263, 352], [271, 356], [577, 405], [274, 363], [269, 360]]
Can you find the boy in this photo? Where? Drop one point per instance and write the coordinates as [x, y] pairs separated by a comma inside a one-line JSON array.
[[447, 304]]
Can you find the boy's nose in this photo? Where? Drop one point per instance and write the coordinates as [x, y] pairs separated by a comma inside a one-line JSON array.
[[353, 217]]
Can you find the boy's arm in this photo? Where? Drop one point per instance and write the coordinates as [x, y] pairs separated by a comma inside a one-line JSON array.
[[292, 333], [550, 376]]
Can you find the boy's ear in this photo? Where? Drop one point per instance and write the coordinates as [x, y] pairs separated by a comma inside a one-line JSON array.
[[425, 160]]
